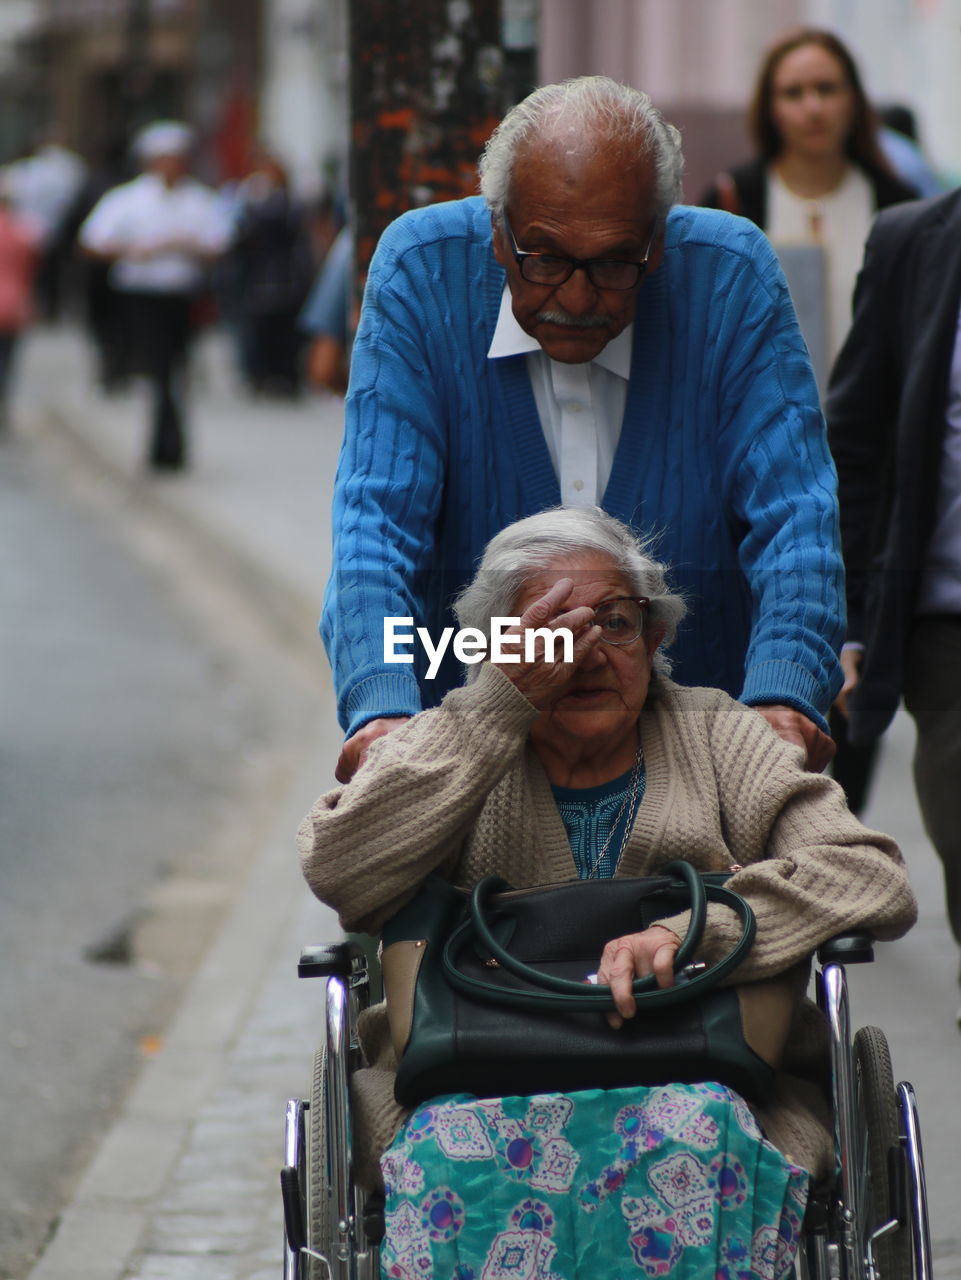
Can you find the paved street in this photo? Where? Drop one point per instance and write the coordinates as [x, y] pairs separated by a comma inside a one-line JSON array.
[[141, 747], [185, 1184], [189, 1172]]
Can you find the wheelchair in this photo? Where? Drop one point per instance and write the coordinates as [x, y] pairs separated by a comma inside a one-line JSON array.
[[869, 1223]]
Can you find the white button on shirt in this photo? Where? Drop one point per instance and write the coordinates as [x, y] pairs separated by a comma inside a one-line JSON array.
[[580, 406]]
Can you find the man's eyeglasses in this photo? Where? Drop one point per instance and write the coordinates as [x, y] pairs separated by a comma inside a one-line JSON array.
[[621, 620], [603, 273]]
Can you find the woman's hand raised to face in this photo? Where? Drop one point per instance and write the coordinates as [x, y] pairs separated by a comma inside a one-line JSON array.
[[636, 955], [545, 677]]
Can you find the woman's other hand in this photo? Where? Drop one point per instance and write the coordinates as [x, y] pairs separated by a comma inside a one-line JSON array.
[[637, 955], [545, 677]]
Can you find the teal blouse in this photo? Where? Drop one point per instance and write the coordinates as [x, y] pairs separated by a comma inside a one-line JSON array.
[[589, 814]]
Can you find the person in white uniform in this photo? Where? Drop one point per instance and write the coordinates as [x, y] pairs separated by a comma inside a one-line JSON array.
[[160, 231]]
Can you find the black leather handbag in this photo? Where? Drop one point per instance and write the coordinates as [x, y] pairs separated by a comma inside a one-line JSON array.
[[488, 992]]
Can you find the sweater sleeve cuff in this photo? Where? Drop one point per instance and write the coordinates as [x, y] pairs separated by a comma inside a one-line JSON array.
[[383, 694], [678, 924], [721, 932], [790, 685]]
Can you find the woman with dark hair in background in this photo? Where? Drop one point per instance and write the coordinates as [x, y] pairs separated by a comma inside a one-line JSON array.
[[819, 177], [820, 174]]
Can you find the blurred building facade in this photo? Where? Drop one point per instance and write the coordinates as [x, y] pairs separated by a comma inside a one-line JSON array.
[[242, 71], [22, 93], [304, 94], [279, 71], [109, 66], [698, 59]]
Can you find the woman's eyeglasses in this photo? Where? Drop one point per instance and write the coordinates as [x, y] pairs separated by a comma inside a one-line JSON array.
[[621, 620]]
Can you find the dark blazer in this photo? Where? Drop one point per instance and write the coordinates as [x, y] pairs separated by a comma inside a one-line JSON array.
[[746, 191], [886, 422]]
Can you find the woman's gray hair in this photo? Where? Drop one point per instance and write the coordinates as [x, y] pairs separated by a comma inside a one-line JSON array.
[[563, 535], [579, 108]]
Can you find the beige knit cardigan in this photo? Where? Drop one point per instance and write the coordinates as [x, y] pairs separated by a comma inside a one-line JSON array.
[[459, 790]]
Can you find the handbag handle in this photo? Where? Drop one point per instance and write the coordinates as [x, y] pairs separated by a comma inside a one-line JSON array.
[[562, 994]]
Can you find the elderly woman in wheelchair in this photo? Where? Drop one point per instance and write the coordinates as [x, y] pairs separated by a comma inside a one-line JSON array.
[[541, 771]]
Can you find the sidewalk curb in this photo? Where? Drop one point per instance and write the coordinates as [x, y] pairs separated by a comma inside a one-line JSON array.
[[104, 1229], [98, 1234], [293, 612]]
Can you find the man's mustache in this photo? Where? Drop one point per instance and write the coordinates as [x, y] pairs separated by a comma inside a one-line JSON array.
[[573, 322]]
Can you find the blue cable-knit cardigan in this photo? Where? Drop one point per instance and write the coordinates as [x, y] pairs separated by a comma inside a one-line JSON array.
[[722, 456]]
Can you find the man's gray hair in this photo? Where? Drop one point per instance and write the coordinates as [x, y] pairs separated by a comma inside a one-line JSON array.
[[563, 535], [580, 108]]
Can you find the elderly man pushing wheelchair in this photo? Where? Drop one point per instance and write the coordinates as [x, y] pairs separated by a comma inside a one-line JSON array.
[[576, 337]]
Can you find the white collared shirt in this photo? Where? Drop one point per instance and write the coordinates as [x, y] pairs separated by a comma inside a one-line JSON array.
[[580, 406], [839, 222], [146, 212]]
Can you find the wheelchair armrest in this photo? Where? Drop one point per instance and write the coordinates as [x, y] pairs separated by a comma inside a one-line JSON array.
[[332, 959], [847, 948]]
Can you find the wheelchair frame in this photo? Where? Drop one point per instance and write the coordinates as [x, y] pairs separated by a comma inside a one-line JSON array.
[[870, 1223]]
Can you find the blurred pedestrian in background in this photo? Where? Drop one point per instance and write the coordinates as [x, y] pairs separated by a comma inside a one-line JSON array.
[[272, 266], [45, 186], [20, 241], [101, 305], [820, 173], [818, 178], [899, 139], [326, 317], [894, 423], [161, 232]]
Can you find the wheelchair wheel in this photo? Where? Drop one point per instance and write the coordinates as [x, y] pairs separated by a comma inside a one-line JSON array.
[[320, 1223], [877, 1105]]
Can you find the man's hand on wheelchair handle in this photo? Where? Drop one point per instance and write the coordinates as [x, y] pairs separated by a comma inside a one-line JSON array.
[[354, 751], [794, 726], [636, 955]]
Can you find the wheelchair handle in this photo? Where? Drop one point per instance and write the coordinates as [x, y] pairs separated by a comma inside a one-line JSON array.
[[332, 960], [847, 948]]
